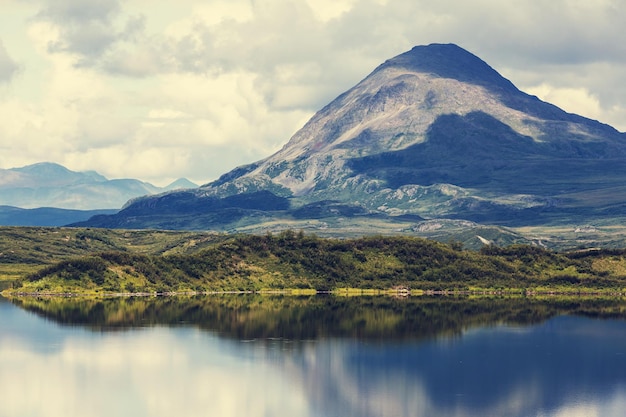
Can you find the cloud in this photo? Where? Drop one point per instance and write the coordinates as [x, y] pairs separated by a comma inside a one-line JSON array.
[[88, 30], [78, 11], [573, 100], [266, 35], [566, 84], [563, 31], [268, 38], [581, 101], [8, 67], [332, 44], [157, 129], [154, 372], [183, 371]]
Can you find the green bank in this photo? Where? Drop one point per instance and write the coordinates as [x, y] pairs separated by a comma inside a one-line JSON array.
[[79, 261]]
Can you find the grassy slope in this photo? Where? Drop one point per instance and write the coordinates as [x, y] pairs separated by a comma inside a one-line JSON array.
[[24, 250], [290, 260]]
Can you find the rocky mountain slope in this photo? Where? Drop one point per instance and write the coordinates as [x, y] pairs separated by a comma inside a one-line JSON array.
[[434, 133], [52, 185]]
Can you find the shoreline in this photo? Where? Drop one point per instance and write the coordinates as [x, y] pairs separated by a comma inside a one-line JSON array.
[[341, 292]]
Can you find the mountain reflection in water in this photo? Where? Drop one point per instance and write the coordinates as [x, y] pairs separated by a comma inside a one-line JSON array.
[[313, 356]]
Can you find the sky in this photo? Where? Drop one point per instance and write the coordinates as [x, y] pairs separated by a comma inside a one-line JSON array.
[[159, 89]]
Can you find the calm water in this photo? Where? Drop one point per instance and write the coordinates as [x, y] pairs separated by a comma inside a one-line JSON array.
[[261, 356]]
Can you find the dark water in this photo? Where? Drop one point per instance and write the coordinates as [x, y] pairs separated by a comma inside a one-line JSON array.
[[320, 356]]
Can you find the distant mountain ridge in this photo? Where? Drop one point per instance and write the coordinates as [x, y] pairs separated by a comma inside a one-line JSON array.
[[46, 216], [52, 185], [434, 133]]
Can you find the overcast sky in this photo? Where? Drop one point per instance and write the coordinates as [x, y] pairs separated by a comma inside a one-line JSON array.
[[161, 89]]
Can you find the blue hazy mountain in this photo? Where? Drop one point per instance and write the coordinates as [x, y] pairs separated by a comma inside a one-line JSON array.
[[434, 133], [180, 184], [52, 185], [45, 216]]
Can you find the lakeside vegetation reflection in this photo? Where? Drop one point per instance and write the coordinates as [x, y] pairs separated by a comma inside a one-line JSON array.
[[256, 316]]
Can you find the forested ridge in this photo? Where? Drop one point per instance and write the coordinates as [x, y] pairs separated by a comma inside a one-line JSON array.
[[291, 260]]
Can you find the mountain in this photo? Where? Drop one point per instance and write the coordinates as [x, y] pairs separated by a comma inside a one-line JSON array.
[[180, 184], [45, 216], [434, 133], [52, 185]]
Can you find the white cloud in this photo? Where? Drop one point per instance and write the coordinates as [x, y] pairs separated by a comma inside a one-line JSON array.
[[153, 372], [157, 130], [8, 67], [593, 90], [220, 11], [85, 28], [326, 10], [572, 100]]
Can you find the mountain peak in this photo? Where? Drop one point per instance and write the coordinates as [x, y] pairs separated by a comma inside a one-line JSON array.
[[43, 168], [405, 105], [47, 170], [48, 184], [181, 183], [449, 61], [434, 132]]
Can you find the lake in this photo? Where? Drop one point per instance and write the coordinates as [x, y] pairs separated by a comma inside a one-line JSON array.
[[322, 356]]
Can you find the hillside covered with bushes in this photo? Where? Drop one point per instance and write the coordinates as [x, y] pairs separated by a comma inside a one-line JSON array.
[[297, 261]]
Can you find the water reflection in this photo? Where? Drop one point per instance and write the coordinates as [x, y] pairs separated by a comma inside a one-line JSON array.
[[258, 357], [254, 316]]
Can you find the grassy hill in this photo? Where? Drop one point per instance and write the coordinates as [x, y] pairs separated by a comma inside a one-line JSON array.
[[130, 262], [26, 249]]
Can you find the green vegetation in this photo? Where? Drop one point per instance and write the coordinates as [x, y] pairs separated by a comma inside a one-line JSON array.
[[44, 245], [132, 262], [25, 250]]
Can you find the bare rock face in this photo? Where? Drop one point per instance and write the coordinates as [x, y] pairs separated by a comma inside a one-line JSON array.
[[436, 132]]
